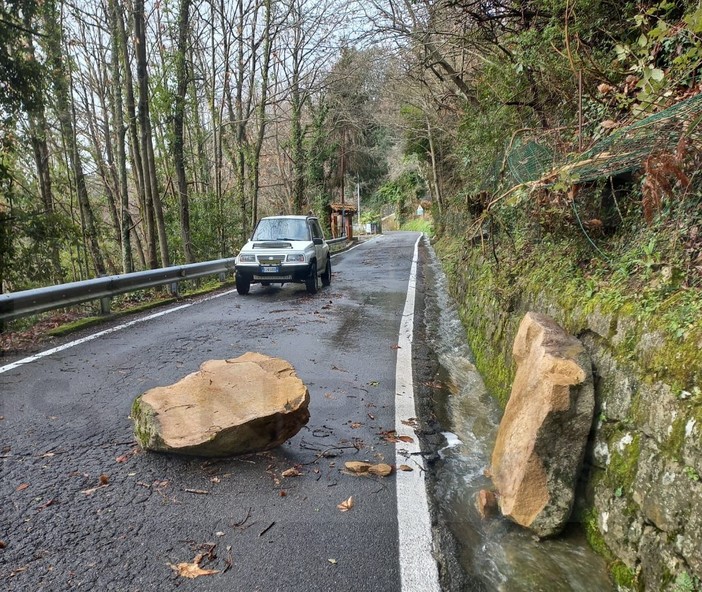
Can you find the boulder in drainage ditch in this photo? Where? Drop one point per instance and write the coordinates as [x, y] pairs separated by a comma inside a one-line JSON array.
[[541, 440], [228, 407]]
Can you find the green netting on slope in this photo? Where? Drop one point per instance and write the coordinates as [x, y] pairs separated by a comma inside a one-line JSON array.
[[628, 148], [528, 162], [625, 150], [523, 161]]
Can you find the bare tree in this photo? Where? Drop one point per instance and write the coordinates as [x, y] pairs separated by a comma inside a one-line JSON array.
[[178, 127], [305, 48], [154, 209], [428, 27], [64, 111]]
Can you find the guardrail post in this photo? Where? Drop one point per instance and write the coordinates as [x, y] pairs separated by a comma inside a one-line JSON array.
[[222, 277], [105, 305], [173, 289]]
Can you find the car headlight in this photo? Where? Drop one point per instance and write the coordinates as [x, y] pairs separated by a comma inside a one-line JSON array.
[[297, 257], [247, 258]]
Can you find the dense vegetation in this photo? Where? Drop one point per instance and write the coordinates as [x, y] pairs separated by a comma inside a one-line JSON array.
[[144, 134]]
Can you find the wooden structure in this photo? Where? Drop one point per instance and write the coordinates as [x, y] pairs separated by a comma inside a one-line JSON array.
[[342, 219]]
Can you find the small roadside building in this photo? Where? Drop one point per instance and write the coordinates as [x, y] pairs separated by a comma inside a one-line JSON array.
[[342, 219]]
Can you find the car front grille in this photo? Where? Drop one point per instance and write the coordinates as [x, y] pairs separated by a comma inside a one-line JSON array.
[[271, 259]]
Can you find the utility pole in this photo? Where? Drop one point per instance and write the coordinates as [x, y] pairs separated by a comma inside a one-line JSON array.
[[358, 204]]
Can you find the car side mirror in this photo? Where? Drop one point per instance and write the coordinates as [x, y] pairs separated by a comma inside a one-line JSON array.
[[318, 241]]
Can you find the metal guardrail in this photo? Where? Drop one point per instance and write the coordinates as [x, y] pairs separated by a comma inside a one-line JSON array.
[[29, 302]]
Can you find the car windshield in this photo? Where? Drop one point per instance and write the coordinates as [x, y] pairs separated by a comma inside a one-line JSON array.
[[281, 229]]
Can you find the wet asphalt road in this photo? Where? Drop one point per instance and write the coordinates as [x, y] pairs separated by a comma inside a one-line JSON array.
[[66, 424]]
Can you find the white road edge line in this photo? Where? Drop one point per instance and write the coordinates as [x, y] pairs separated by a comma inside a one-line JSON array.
[[71, 344], [65, 346], [418, 568]]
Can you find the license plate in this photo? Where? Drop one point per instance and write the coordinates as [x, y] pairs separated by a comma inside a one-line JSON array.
[[270, 269]]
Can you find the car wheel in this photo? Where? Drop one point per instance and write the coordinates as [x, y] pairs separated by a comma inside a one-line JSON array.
[[312, 282], [243, 285], [326, 276]]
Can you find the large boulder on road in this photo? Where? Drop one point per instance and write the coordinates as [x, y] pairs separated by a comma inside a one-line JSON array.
[[228, 407], [542, 436]]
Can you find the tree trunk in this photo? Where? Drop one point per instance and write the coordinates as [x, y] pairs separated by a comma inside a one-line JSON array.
[[149, 256], [125, 221], [40, 148], [153, 210], [258, 146], [60, 79], [297, 149], [178, 127]]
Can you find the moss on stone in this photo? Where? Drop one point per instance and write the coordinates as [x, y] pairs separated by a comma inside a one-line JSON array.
[[673, 447], [623, 464], [593, 534], [76, 325], [143, 418], [624, 577]]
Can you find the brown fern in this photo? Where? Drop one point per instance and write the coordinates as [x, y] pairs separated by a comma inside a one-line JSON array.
[[661, 170]]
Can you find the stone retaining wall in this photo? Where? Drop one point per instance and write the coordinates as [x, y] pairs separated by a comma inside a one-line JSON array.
[[642, 496]]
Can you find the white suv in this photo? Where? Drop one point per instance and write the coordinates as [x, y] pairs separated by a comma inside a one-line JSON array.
[[284, 249]]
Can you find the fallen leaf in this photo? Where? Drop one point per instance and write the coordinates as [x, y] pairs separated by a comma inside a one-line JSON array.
[[283, 493], [346, 505], [332, 561], [104, 479], [389, 436], [122, 458], [373, 383], [51, 502], [22, 486], [191, 570], [198, 491], [405, 468], [48, 454], [291, 472], [229, 560], [395, 347], [355, 425], [406, 438], [219, 533], [3, 544], [371, 416], [215, 480], [411, 422]]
